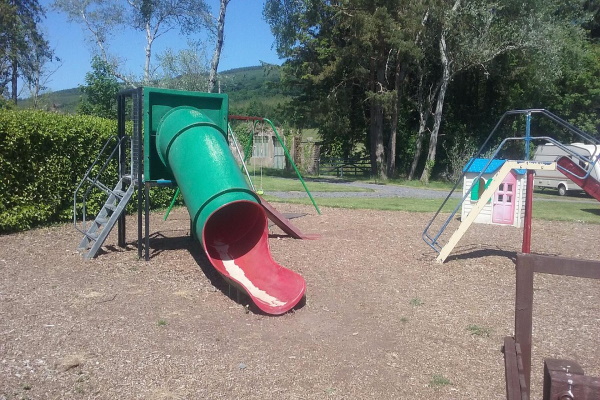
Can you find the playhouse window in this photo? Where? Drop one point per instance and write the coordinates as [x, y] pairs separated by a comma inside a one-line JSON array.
[[478, 188], [509, 189]]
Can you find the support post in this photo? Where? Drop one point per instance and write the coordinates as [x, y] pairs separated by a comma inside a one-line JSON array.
[[147, 220], [526, 247], [140, 218], [122, 164], [524, 313], [139, 165]]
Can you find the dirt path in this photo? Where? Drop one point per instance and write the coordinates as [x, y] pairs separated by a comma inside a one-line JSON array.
[[381, 320]]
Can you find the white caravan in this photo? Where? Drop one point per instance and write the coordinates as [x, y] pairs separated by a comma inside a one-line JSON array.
[[556, 179]]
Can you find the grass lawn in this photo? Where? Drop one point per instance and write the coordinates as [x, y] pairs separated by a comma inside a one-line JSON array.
[[567, 211], [545, 209], [547, 204]]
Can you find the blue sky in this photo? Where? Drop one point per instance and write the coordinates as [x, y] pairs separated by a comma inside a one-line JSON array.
[[248, 40]]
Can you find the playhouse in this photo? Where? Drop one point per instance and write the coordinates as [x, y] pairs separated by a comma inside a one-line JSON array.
[[507, 206]]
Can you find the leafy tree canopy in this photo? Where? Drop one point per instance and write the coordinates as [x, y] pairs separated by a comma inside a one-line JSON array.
[[100, 91]]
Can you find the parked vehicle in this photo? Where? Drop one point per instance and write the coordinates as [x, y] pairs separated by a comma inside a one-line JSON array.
[[556, 179]]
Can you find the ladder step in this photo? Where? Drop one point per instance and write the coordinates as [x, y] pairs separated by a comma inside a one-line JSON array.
[[92, 236], [104, 222]]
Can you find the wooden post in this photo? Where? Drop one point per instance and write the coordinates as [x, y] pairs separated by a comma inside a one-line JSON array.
[[564, 379], [526, 247], [524, 313]]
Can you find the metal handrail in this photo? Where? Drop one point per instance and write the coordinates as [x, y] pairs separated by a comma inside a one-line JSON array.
[[93, 182]]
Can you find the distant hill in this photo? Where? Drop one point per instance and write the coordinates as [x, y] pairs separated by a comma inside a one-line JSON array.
[[62, 100], [250, 89]]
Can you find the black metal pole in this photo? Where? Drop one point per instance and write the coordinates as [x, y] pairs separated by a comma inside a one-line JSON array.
[[121, 134], [147, 212], [140, 166]]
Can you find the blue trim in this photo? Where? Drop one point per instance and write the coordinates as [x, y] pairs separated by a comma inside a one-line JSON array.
[[477, 164]]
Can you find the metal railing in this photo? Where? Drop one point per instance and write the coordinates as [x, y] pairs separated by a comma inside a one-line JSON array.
[[91, 180]]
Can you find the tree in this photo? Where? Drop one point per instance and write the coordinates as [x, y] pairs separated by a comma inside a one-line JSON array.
[[361, 69], [40, 66], [349, 54], [100, 91], [214, 65], [152, 17], [185, 69], [19, 38], [471, 34]]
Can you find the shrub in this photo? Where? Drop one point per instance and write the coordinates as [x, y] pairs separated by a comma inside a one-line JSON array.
[[43, 156]]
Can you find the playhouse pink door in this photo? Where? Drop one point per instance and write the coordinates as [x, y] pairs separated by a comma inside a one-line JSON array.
[[503, 207]]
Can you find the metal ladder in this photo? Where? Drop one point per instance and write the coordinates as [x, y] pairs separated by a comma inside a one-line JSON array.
[[95, 232]]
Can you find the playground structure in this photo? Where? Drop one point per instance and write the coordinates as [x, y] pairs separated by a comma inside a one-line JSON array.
[[495, 192], [563, 379], [180, 139]]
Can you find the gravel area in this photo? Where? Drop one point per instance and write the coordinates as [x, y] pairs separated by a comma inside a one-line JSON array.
[[381, 320]]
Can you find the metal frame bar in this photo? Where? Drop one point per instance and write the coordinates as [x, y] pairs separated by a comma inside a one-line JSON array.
[[121, 226], [136, 165]]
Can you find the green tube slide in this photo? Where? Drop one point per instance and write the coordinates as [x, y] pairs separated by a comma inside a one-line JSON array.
[[227, 216]]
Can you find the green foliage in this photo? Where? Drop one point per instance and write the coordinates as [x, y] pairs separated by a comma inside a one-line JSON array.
[[100, 91], [438, 381], [5, 104], [185, 69], [477, 330], [20, 39], [415, 302], [65, 101], [42, 157], [355, 74]]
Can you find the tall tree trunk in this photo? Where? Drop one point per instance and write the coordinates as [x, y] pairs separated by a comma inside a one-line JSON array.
[[376, 125], [437, 117], [214, 65], [424, 107], [391, 156], [423, 117], [14, 80], [148, 49]]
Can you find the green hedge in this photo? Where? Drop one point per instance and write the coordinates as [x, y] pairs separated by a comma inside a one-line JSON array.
[[43, 156]]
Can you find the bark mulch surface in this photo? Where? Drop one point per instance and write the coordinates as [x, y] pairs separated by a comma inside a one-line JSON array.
[[381, 320]]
